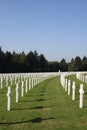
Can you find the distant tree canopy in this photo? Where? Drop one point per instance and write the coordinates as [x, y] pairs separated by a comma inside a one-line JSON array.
[[32, 62]]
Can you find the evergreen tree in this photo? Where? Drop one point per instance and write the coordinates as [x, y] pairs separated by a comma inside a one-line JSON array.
[[84, 63], [77, 64], [43, 63], [2, 61], [63, 65]]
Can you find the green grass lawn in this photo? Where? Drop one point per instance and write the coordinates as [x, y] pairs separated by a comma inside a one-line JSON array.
[[46, 107]]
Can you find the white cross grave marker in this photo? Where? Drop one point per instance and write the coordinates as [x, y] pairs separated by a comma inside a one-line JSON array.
[[9, 98], [26, 86], [17, 88], [22, 89], [81, 91], [65, 84], [73, 91], [68, 87]]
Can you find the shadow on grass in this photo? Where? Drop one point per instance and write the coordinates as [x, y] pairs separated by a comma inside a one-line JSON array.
[[20, 109], [38, 100], [41, 94], [85, 93], [4, 92], [85, 106], [40, 107], [35, 120], [38, 120], [42, 91], [37, 107], [39, 91], [76, 99]]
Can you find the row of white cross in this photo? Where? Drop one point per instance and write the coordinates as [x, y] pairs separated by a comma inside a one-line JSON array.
[[26, 81], [67, 86], [24, 87], [82, 76]]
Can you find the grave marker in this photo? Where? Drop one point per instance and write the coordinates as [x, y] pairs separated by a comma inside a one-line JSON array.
[[68, 87], [73, 91], [9, 98], [81, 91], [22, 89], [17, 88]]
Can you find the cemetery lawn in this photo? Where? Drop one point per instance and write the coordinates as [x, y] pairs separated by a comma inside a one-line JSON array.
[[46, 107]]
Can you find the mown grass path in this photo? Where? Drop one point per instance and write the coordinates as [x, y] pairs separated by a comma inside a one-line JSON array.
[[46, 107]]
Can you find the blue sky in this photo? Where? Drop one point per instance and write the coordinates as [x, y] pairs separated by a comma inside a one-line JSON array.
[[56, 28]]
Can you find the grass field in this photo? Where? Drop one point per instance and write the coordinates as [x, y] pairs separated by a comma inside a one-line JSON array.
[[46, 107]]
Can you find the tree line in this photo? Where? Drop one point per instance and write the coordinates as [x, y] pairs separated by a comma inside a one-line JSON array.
[[33, 62]]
